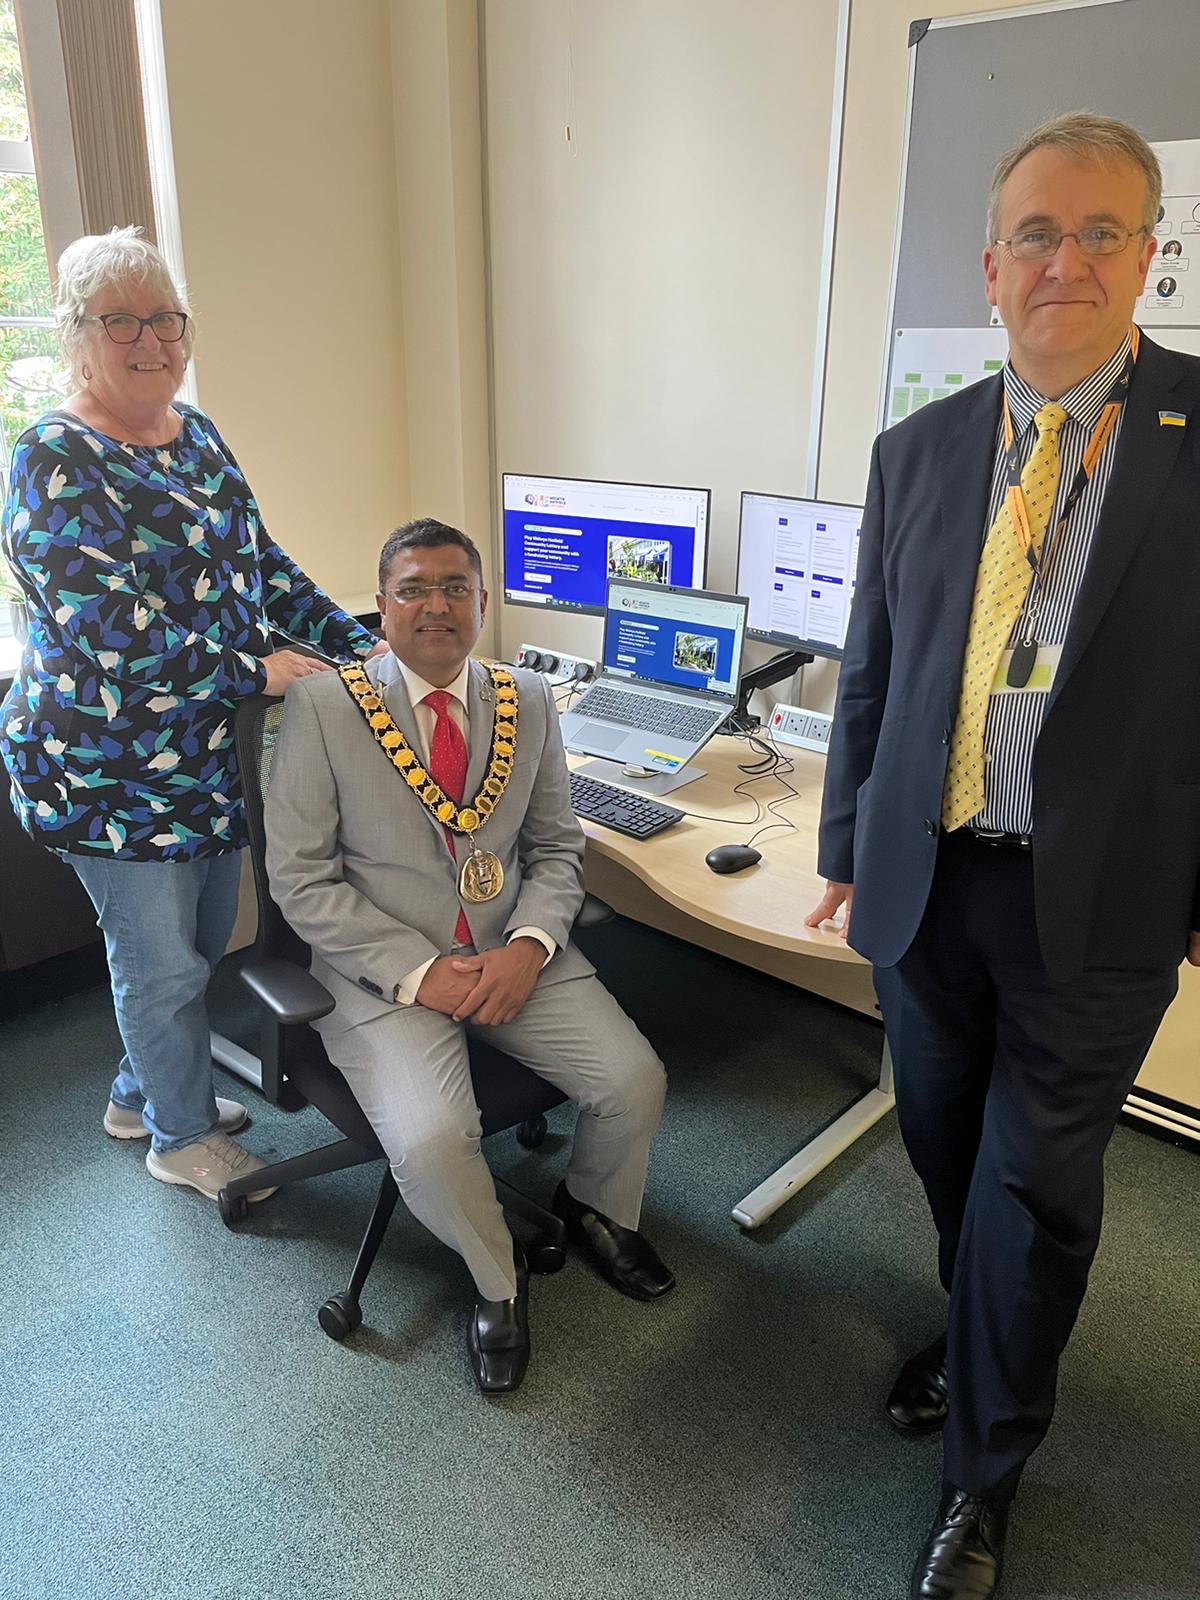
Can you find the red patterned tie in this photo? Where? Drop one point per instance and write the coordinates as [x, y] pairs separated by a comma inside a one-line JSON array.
[[448, 769]]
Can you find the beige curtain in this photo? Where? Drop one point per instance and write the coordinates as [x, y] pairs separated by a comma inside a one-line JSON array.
[[104, 93]]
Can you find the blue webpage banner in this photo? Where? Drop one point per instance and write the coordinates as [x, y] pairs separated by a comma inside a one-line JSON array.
[[564, 560]]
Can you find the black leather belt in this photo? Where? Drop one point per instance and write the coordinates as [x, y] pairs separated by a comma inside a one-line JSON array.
[[1000, 841]]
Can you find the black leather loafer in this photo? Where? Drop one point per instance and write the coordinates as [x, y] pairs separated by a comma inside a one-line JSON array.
[[918, 1400], [628, 1261], [962, 1556], [498, 1336]]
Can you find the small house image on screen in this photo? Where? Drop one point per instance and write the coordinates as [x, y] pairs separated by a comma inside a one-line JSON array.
[[696, 652], [648, 560]]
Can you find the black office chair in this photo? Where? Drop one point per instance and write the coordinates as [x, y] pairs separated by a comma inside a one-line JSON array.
[[296, 1071]]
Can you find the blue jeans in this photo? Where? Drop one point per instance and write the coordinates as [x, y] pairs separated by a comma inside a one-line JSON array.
[[165, 926]]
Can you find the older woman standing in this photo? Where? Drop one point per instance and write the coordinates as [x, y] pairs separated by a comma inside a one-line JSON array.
[[152, 590]]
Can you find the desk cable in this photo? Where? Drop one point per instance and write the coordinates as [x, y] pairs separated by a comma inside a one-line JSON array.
[[771, 762]]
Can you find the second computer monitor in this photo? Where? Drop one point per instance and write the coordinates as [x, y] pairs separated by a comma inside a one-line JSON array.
[[796, 565], [566, 538]]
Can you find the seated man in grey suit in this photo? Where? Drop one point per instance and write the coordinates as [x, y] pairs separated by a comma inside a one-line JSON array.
[[421, 840]]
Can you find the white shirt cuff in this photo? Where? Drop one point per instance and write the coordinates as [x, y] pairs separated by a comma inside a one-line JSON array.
[[535, 933], [406, 990]]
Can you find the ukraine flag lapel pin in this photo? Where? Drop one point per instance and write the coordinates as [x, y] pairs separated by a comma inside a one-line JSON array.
[[1172, 419]]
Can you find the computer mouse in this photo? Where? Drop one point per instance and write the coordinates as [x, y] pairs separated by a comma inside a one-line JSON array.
[[732, 857]]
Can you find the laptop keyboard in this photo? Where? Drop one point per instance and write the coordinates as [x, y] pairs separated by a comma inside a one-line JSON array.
[[646, 711], [617, 808]]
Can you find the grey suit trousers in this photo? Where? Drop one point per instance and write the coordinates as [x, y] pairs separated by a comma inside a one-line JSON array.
[[408, 1070]]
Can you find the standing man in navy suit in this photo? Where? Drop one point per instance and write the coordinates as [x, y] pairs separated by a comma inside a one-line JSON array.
[[1012, 802]]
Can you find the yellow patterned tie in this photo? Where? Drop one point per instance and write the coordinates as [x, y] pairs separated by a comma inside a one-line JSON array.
[[1001, 585]]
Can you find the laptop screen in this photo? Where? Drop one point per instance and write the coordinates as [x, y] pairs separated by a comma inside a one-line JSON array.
[[675, 638]]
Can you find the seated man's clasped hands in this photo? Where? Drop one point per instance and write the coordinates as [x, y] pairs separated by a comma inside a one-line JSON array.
[[421, 840]]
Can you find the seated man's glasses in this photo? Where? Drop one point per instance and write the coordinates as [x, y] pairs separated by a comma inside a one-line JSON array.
[[407, 594], [124, 328], [1039, 244]]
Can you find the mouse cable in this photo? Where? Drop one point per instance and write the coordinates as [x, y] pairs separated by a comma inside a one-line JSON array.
[[780, 766]]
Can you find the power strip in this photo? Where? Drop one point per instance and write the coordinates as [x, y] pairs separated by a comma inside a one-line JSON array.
[[556, 666], [795, 725]]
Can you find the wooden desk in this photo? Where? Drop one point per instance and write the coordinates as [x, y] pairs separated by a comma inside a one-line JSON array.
[[755, 916]]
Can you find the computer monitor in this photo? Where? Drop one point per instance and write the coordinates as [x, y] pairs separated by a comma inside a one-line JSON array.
[[796, 565], [565, 538]]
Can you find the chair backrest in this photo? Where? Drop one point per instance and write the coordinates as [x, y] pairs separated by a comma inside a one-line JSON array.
[[255, 732]]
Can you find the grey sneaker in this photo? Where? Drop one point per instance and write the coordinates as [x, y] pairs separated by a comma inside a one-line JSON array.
[[120, 1123], [207, 1164]]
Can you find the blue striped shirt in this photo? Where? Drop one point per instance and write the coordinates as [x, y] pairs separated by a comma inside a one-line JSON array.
[[1015, 720]]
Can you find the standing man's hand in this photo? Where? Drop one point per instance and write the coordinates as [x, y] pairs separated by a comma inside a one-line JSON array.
[[837, 895], [1193, 951], [501, 980]]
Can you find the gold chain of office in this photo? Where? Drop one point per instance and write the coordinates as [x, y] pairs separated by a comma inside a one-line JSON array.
[[400, 753]]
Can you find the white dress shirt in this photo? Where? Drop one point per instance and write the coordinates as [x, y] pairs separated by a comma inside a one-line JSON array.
[[406, 994]]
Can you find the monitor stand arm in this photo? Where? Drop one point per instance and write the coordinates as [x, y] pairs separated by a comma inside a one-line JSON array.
[[773, 671]]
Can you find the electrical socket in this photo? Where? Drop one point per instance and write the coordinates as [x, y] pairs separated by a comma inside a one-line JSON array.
[[557, 666], [796, 725]]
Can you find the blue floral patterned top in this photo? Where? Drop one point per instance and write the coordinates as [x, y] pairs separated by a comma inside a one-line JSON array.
[[151, 587]]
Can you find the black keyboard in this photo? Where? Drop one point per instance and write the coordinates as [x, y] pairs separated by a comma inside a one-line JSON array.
[[646, 711], [617, 808]]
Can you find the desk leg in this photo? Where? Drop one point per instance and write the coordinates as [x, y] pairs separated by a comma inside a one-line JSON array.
[[816, 1155]]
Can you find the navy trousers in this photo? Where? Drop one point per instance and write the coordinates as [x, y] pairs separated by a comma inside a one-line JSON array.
[[1008, 1088]]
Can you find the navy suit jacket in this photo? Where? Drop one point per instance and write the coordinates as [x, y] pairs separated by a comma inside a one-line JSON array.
[[1116, 770]]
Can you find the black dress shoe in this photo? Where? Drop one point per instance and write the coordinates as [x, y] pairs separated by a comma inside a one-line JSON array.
[[498, 1336], [628, 1261], [918, 1399], [961, 1558]]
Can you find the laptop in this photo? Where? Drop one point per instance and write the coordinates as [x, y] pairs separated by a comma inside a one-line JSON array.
[[669, 675]]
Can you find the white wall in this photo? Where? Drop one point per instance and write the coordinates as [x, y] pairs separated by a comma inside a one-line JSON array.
[[281, 120], [654, 280]]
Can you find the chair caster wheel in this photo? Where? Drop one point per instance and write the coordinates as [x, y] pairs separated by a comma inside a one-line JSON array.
[[233, 1207], [531, 1132], [339, 1316], [546, 1257]]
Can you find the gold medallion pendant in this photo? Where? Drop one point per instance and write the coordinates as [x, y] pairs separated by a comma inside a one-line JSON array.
[[481, 878]]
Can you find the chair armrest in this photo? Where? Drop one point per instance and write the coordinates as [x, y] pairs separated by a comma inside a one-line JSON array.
[[290, 994], [593, 912]]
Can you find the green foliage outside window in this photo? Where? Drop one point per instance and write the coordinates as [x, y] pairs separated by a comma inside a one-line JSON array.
[[14, 119], [30, 362]]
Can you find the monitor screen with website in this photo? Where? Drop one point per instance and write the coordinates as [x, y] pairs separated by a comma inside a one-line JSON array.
[[675, 638], [796, 564], [565, 538]]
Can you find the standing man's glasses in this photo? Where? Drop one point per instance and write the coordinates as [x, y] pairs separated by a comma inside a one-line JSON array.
[[407, 594], [124, 328], [1039, 244]]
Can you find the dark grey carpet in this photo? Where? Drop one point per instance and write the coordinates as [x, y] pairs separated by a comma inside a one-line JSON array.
[[175, 1424]]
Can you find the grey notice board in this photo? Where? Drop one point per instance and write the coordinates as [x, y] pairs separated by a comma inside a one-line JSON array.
[[977, 84]]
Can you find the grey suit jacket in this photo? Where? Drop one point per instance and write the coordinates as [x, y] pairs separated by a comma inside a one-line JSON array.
[[361, 870]]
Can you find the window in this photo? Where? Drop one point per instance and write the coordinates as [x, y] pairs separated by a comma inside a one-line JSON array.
[[30, 375]]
